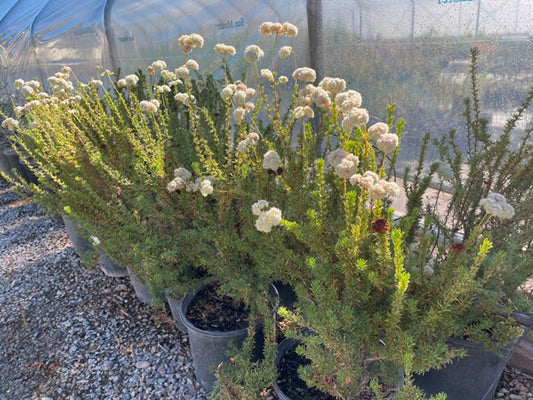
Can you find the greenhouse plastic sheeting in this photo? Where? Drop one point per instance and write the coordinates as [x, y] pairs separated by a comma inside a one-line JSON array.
[[411, 53]]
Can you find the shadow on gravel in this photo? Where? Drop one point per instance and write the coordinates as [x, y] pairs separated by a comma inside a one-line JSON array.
[[24, 230]]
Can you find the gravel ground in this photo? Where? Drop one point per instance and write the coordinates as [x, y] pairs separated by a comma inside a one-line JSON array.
[[71, 333]]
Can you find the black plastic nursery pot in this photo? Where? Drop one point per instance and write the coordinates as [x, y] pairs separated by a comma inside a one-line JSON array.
[[289, 385], [109, 267], [81, 244], [208, 348], [4, 162], [141, 289], [175, 307], [473, 377], [11, 161]]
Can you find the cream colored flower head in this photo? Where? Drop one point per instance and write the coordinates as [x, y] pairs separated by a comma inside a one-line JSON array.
[[271, 160], [289, 29], [185, 98], [495, 204], [356, 118], [10, 124], [333, 85], [162, 89], [347, 166], [131, 80], [206, 187], [266, 28], [253, 53], [150, 70], [259, 206], [267, 74], [159, 65], [283, 79], [321, 98], [387, 142], [285, 51], [304, 74], [303, 111], [175, 184], [96, 82], [182, 72], [225, 49], [188, 42], [268, 219], [19, 83], [197, 40], [192, 64], [239, 113], [166, 74], [149, 106], [348, 100], [335, 157], [377, 130]]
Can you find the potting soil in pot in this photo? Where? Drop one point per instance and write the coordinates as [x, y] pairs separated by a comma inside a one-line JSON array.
[[213, 312], [290, 382]]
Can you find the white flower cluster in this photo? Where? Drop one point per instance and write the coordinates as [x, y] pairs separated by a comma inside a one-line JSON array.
[[267, 74], [192, 64], [349, 104], [159, 65], [304, 74], [170, 76], [189, 42], [387, 142], [266, 218], [253, 53], [185, 98], [182, 180], [495, 204], [377, 188], [277, 28], [128, 81], [10, 124], [182, 72], [27, 88], [240, 94], [356, 118], [302, 111], [271, 160], [348, 100], [308, 96], [162, 89], [249, 142], [225, 49], [149, 106], [61, 86], [285, 51], [96, 82], [377, 130], [333, 85], [344, 163]]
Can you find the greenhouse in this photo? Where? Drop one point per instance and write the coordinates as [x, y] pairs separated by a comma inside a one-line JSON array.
[[310, 199]]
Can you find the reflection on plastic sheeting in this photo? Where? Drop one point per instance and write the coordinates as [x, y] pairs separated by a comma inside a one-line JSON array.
[[411, 53]]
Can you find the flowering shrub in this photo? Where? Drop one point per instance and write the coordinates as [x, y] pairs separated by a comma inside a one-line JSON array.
[[255, 181]]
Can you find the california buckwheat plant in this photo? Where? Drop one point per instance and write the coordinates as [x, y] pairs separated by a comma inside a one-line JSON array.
[[271, 178]]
